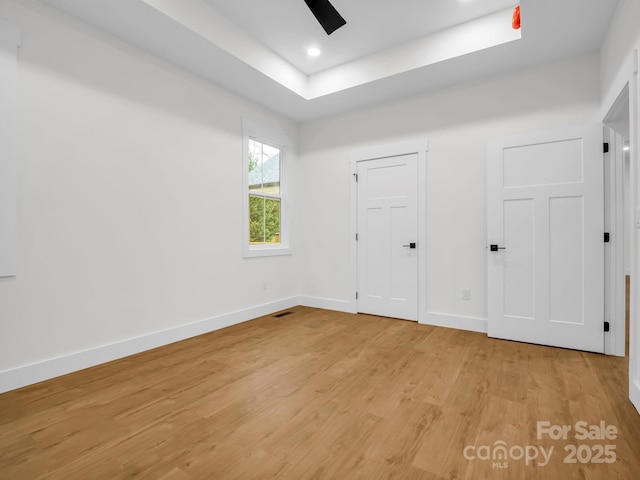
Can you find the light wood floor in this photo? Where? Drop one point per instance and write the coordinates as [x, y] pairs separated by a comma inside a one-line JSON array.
[[320, 395]]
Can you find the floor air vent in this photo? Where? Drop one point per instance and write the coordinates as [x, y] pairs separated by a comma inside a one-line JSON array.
[[282, 314]]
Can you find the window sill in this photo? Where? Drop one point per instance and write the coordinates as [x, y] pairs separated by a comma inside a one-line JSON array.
[[266, 251]]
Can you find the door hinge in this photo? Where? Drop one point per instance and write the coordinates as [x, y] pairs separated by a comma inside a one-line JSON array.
[[356, 295], [607, 238], [356, 237], [355, 175], [605, 147], [607, 327]]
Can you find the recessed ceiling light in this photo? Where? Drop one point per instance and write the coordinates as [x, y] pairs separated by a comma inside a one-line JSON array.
[[313, 52], [626, 148]]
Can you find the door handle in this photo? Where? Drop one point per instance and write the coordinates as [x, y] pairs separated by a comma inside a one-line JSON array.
[[411, 245], [495, 248]]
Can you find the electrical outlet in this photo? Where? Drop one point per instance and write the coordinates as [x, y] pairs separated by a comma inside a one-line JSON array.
[[265, 285], [466, 294]]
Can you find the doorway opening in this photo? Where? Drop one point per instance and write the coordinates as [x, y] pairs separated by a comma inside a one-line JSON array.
[[618, 215]]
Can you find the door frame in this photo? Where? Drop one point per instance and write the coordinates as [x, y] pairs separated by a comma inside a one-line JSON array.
[[627, 77], [419, 146], [615, 283], [627, 80]]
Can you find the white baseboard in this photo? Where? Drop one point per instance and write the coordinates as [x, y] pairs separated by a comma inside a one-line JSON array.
[[55, 367], [471, 324], [327, 304], [634, 394]]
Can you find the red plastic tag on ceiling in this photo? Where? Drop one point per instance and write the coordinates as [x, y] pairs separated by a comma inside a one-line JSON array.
[[515, 20]]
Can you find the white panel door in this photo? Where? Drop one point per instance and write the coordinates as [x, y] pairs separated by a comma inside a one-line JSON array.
[[545, 217], [388, 237]]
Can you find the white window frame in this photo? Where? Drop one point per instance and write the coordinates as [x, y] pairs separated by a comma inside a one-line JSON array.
[[273, 138]]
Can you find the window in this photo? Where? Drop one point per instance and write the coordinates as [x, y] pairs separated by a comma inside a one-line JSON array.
[[266, 222], [264, 193]]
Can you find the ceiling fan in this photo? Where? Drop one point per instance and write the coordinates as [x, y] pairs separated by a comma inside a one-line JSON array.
[[326, 14]]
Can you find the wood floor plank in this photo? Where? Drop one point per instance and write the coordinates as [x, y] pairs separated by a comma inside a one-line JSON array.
[[321, 395]]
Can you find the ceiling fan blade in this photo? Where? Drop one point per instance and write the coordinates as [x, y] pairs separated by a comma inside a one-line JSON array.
[[326, 14]]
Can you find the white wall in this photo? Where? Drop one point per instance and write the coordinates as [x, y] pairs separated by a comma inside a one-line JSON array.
[[129, 202], [623, 38], [9, 42], [457, 122], [129, 211]]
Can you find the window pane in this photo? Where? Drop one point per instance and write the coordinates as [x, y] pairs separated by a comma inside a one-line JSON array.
[[271, 170], [256, 219], [264, 220], [272, 220], [255, 165], [264, 168]]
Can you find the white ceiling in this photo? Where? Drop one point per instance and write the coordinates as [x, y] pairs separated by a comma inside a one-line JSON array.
[[288, 28], [387, 50]]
